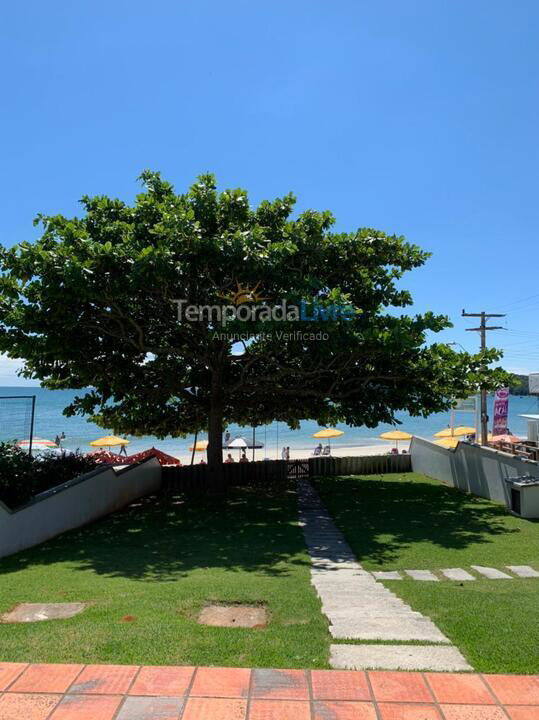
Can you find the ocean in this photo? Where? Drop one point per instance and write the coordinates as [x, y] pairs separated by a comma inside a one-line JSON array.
[[49, 422]]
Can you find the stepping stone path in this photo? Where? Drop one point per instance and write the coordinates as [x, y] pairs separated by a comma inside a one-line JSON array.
[[360, 608], [524, 571], [491, 573], [424, 575], [457, 574]]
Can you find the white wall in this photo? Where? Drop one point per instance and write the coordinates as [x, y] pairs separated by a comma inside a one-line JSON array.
[[471, 468], [75, 503]]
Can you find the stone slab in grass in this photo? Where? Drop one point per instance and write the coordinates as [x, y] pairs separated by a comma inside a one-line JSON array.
[[397, 657], [491, 573], [388, 626], [244, 616], [523, 571], [37, 612], [422, 575], [387, 575], [457, 574]]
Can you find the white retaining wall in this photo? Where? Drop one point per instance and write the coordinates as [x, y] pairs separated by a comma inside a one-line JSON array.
[[471, 468], [75, 503]]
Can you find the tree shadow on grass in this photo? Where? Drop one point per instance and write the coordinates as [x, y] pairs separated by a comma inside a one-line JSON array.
[[380, 517], [164, 538]]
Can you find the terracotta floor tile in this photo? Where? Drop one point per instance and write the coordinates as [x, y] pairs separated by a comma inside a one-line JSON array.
[[515, 689], [46, 678], [405, 711], [221, 682], [523, 712], [104, 679], [472, 712], [280, 685], [399, 687], [10, 672], [459, 688], [150, 708], [215, 709], [280, 710], [87, 707], [340, 685], [341, 710], [162, 681], [27, 707]]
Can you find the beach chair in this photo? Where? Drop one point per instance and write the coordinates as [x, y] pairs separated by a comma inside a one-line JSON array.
[[326, 450], [317, 451]]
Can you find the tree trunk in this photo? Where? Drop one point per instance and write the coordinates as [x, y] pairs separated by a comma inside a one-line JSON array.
[[216, 480]]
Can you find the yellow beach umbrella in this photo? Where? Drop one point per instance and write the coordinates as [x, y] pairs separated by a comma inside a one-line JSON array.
[[455, 432], [109, 441], [200, 446], [448, 442], [396, 435], [328, 433]]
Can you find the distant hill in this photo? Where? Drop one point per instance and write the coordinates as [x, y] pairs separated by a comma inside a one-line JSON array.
[[521, 387]]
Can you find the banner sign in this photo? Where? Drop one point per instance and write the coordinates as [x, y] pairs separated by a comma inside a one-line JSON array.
[[501, 411]]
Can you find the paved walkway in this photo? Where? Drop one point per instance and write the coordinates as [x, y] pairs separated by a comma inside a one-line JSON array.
[[118, 692], [360, 608]]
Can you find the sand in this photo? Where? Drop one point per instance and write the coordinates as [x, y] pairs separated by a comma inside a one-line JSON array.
[[301, 453]]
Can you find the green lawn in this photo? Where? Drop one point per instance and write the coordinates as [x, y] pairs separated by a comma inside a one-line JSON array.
[[161, 563], [494, 623], [410, 521]]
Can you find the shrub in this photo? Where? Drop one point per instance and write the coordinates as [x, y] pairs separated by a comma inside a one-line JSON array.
[[22, 476]]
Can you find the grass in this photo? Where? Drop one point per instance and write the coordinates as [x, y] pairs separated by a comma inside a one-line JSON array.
[[161, 562], [494, 623], [410, 521]]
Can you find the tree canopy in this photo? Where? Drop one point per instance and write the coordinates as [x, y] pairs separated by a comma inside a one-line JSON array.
[[139, 306]]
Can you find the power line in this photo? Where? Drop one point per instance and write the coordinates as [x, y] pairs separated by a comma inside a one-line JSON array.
[[483, 329]]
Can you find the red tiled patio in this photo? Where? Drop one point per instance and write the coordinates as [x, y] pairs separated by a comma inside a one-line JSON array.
[[128, 692]]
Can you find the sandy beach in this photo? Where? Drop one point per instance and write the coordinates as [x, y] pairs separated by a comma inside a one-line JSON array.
[[301, 453]]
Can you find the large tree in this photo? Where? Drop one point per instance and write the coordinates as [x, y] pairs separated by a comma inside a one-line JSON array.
[[107, 301]]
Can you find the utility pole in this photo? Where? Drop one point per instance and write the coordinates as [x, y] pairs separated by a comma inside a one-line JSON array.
[[482, 329]]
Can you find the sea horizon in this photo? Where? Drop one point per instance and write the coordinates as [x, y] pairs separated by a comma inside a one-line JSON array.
[[79, 432]]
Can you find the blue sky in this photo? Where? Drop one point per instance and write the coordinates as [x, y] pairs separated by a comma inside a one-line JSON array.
[[416, 117]]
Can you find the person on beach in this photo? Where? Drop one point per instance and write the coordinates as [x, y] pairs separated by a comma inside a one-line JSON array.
[[283, 453], [287, 454], [229, 458], [244, 457]]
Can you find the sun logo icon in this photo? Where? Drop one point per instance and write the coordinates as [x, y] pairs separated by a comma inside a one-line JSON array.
[[243, 294]]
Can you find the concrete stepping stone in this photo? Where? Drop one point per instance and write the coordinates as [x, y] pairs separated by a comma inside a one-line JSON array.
[[387, 575], [523, 571], [397, 657], [37, 612], [422, 575], [391, 626], [457, 574], [491, 573]]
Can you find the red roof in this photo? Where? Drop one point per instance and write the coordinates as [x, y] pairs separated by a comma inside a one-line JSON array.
[[164, 458]]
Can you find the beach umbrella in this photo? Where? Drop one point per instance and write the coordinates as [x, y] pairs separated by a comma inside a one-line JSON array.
[[396, 435], [109, 441], [37, 442], [200, 446], [448, 442], [328, 433], [505, 438], [239, 443], [163, 457], [106, 456], [455, 432]]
